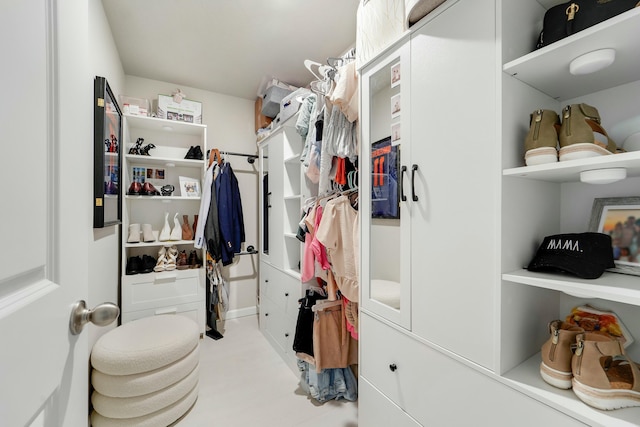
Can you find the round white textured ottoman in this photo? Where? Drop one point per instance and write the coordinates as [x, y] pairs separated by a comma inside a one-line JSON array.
[[145, 372]]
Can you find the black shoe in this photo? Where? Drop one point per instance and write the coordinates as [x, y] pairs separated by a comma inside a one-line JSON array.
[[197, 153], [190, 154], [148, 263], [144, 151], [134, 265]]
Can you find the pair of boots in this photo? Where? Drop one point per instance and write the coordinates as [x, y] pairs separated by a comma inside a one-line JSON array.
[[140, 264], [135, 230], [579, 136], [600, 372], [179, 232]]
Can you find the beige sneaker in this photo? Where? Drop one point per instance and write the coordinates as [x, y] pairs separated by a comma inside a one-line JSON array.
[[541, 143], [556, 353], [581, 135], [603, 375]]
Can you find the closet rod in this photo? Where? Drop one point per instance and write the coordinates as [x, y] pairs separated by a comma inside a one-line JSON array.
[[250, 251], [251, 158]]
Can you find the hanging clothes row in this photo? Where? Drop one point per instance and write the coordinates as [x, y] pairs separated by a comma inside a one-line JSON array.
[[220, 231], [326, 334], [328, 122]]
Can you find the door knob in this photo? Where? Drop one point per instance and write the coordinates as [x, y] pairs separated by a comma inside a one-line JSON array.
[[101, 315]]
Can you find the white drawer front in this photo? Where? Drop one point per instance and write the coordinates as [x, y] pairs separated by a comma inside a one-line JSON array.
[[436, 389], [394, 363], [165, 289], [374, 409], [187, 310]]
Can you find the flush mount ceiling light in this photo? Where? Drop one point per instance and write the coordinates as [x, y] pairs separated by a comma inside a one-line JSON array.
[[603, 176], [592, 61]]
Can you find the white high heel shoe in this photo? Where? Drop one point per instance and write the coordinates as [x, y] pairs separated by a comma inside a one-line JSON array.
[[176, 233], [165, 233], [161, 264]]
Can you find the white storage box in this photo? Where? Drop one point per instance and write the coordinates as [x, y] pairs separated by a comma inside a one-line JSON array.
[[290, 104], [184, 111], [134, 106], [271, 100]]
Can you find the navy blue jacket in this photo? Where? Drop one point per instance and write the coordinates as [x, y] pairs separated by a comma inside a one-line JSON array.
[[230, 217]]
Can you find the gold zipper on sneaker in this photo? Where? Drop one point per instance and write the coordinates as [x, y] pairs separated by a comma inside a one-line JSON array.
[[537, 119], [565, 116]]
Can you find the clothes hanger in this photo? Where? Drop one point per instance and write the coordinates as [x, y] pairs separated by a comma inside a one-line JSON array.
[[309, 64], [213, 154]]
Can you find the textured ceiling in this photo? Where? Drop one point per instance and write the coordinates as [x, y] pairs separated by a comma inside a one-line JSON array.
[[229, 46]]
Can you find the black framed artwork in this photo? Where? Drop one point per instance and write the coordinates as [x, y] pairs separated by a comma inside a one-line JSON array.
[[385, 194], [107, 139]]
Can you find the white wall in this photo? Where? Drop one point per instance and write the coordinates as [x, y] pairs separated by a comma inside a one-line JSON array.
[[230, 126], [104, 246]]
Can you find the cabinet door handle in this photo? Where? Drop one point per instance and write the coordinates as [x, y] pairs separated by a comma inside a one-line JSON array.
[[266, 314], [402, 196], [286, 335], [393, 367], [286, 294], [414, 168]]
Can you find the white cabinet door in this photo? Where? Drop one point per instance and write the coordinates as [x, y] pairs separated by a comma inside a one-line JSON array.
[[455, 223], [46, 125], [385, 214]]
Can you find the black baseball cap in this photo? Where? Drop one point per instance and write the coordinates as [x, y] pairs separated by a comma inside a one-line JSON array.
[[586, 255]]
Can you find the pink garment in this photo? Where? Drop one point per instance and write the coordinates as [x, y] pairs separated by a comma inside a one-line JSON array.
[[314, 251], [339, 233]]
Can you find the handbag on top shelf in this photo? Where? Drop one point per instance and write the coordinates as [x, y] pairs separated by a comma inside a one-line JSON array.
[[573, 16]]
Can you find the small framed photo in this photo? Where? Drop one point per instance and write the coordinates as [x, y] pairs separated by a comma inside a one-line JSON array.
[[395, 74], [189, 187], [619, 217], [395, 133], [396, 106]]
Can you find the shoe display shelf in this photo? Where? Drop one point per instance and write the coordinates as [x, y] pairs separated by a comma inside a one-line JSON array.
[[178, 291], [548, 199]]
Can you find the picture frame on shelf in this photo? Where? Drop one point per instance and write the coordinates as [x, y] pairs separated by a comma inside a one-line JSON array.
[[107, 164], [396, 76], [619, 217], [396, 106], [189, 187], [395, 133]]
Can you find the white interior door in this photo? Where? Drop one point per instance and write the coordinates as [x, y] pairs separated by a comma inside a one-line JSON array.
[[45, 226]]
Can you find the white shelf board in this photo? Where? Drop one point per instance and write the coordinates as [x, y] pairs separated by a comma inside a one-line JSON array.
[[569, 171], [290, 236], [162, 125], [610, 286], [526, 377], [134, 159], [295, 197], [162, 198], [547, 69], [158, 244]]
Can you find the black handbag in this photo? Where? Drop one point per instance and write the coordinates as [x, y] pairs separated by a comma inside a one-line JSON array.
[[568, 18]]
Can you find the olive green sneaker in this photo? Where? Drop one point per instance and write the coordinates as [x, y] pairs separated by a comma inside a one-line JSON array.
[[581, 134], [541, 143]]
